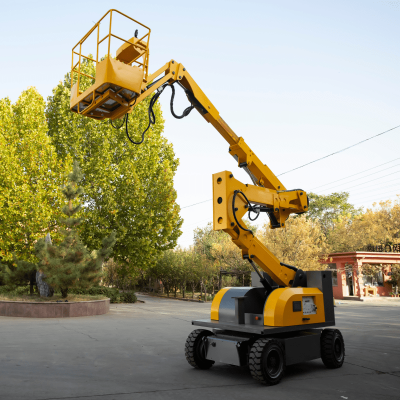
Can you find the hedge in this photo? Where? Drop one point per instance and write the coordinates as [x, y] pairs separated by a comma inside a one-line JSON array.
[[113, 293]]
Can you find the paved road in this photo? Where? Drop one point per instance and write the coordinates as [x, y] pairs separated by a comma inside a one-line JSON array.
[[136, 352]]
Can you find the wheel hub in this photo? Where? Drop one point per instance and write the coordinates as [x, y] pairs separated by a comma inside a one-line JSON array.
[[337, 349], [273, 363]]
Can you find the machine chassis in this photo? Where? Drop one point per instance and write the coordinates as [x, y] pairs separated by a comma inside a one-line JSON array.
[[266, 355], [257, 329], [240, 338]]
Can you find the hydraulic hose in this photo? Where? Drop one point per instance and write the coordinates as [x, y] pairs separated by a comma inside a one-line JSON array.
[[152, 118], [123, 121], [186, 111], [235, 209], [150, 112]]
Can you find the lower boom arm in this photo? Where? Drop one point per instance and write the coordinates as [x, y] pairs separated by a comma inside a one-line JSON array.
[[231, 200]]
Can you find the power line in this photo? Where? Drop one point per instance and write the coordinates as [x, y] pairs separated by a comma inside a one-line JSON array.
[[339, 151], [358, 173], [372, 180], [357, 192], [384, 193], [198, 222], [377, 199], [376, 186], [205, 201], [195, 204], [355, 180]]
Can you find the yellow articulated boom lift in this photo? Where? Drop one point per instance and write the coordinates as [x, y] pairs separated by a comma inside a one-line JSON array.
[[267, 327]]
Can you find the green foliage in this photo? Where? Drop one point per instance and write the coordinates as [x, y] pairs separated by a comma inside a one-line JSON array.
[[167, 270], [218, 248], [371, 269], [205, 238], [198, 267], [20, 273], [69, 263], [128, 189], [128, 297], [116, 274], [113, 293], [327, 209], [335, 226], [378, 226], [300, 243], [11, 289], [395, 275], [30, 174]]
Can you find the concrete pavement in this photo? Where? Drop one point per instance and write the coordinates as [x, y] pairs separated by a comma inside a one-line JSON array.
[[137, 352]]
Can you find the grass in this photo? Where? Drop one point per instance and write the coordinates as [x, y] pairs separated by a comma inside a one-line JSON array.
[[56, 297]]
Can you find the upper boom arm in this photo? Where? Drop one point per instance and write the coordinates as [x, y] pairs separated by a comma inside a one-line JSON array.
[[173, 72]]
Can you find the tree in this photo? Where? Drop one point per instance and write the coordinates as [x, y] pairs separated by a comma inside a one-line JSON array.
[[30, 175], [19, 273], [300, 243], [371, 269], [378, 226], [394, 275], [128, 189], [219, 249], [70, 264], [326, 209], [164, 269], [183, 264], [116, 275], [193, 266], [218, 253]]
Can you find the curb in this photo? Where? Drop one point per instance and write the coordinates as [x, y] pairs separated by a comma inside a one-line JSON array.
[[380, 303], [173, 298], [32, 309]]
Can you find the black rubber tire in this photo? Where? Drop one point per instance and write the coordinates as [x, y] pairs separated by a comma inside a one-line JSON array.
[[194, 349], [267, 361], [332, 348]]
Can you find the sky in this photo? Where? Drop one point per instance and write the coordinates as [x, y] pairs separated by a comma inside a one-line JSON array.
[[298, 80]]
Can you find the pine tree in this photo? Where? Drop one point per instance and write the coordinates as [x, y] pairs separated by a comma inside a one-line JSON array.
[[19, 273], [69, 264]]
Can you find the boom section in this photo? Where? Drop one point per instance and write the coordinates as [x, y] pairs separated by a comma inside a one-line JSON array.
[[231, 202], [267, 190], [173, 72]]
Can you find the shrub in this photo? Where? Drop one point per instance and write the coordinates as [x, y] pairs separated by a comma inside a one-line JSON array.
[[21, 290], [112, 293], [128, 297], [6, 289]]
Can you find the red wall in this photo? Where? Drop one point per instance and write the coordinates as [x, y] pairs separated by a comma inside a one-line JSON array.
[[341, 290]]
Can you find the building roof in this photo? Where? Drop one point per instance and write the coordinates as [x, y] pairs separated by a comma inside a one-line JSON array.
[[371, 257]]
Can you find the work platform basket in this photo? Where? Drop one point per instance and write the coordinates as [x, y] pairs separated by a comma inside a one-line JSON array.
[[117, 81]]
